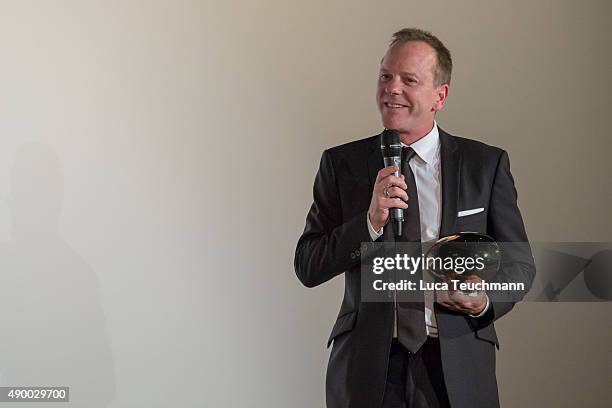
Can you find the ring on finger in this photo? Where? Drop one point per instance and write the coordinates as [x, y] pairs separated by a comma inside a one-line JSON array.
[[386, 192]]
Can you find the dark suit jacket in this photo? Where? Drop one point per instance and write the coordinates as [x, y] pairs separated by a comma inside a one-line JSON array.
[[474, 175]]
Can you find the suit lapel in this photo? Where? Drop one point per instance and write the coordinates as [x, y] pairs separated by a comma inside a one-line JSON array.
[[375, 161], [451, 167]]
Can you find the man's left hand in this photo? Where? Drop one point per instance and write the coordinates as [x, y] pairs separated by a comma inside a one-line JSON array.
[[458, 301]]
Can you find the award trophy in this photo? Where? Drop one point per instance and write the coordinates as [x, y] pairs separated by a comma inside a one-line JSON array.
[[464, 257]]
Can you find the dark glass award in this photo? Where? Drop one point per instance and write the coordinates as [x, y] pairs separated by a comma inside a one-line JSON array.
[[464, 257]]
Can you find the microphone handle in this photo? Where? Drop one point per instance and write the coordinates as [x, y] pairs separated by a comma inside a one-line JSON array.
[[397, 214]]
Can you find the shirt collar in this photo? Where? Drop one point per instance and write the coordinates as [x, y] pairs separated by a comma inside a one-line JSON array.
[[427, 146]]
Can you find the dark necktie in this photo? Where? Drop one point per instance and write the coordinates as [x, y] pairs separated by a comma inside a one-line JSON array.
[[411, 315]]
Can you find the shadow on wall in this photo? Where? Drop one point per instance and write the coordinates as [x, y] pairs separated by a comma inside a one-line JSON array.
[[53, 325]]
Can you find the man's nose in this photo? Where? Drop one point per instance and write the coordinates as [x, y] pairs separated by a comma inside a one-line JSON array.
[[393, 87]]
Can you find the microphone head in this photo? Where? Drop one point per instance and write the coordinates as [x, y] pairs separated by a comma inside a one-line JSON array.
[[390, 145]]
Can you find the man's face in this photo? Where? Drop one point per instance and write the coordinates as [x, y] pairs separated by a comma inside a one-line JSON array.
[[407, 97]]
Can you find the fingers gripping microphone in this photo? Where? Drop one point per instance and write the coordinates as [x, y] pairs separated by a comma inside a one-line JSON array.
[[391, 149]]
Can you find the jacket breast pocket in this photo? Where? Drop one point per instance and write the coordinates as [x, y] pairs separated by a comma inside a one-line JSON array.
[[472, 223], [344, 324]]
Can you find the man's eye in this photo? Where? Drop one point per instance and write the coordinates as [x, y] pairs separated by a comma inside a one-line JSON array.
[[410, 81], [384, 77]]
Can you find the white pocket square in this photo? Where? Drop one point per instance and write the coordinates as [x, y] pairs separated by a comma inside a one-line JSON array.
[[469, 212]]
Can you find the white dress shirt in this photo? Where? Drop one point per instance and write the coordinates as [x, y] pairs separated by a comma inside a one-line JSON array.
[[425, 166]]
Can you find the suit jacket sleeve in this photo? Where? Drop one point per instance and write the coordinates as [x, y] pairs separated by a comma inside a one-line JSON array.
[[329, 244], [506, 225]]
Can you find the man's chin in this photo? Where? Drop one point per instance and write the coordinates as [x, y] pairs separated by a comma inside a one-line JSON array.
[[401, 127], [396, 122], [405, 127]]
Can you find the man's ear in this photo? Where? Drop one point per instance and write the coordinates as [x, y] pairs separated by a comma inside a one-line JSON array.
[[442, 94]]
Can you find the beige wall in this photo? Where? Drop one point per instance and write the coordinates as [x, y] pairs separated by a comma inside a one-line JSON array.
[[166, 151]]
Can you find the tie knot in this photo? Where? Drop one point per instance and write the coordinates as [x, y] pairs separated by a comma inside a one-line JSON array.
[[408, 153]]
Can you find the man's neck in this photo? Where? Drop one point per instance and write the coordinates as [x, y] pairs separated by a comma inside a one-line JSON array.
[[409, 138]]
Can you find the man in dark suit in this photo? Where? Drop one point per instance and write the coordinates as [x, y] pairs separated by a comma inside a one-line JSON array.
[[438, 354]]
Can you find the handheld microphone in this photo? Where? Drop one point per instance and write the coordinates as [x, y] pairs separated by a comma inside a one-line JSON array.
[[391, 149]]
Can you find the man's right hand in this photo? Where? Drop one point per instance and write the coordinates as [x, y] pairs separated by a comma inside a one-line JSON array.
[[396, 196]]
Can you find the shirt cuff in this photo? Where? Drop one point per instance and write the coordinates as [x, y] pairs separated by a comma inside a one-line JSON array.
[[373, 234], [483, 310]]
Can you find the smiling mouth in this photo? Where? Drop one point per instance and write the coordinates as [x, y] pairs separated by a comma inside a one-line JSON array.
[[394, 105]]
